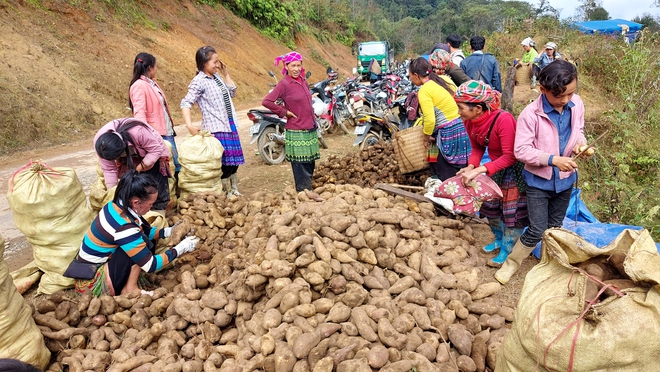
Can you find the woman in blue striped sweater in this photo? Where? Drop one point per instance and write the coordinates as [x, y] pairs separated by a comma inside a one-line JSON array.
[[118, 245]]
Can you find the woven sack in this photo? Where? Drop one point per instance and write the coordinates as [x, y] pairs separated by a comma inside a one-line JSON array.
[[409, 149], [98, 191], [555, 329], [50, 208], [19, 336], [200, 157], [523, 74]]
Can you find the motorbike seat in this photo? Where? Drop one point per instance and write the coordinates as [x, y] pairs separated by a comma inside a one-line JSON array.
[[264, 112]]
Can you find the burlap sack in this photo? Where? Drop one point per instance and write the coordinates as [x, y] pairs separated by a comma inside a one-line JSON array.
[[50, 209], [19, 336], [98, 191], [555, 330], [201, 164]]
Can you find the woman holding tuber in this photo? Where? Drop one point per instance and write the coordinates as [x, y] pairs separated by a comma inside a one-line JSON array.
[[492, 128], [118, 245], [549, 135]]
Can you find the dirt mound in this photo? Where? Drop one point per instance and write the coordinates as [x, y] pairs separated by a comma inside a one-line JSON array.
[[66, 68]]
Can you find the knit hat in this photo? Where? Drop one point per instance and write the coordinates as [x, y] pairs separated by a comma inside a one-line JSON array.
[[288, 58], [474, 91], [440, 60], [550, 45]]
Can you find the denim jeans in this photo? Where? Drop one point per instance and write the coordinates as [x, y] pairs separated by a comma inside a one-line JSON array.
[[175, 152], [546, 209]]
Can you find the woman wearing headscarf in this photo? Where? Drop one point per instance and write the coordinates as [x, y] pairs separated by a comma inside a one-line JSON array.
[[212, 89], [130, 144], [148, 101], [445, 139], [443, 66], [550, 55], [301, 141], [492, 128]]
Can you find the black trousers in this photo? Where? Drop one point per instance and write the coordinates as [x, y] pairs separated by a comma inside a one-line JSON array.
[[302, 174], [120, 265], [444, 169], [228, 170], [163, 188]]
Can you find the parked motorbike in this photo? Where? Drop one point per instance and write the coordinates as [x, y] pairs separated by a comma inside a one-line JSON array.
[[325, 104], [268, 131], [373, 128]]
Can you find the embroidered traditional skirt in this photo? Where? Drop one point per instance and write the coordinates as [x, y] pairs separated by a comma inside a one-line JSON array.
[[301, 145], [233, 152], [512, 208]]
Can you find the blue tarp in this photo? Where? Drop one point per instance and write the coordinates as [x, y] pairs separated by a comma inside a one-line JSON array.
[[610, 26]]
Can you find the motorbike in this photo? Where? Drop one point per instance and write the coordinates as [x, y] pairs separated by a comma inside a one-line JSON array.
[[324, 102], [268, 131], [373, 128]]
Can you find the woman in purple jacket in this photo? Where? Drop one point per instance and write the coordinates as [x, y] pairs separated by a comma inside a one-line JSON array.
[[548, 134], [301, 141]]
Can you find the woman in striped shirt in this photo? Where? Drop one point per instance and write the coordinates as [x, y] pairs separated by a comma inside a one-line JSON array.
[[212, 90], [119, 240]]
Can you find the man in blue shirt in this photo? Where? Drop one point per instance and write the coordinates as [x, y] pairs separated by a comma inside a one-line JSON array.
[[482, 66]]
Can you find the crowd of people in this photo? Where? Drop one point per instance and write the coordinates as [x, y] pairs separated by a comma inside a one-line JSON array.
[[531, 159]]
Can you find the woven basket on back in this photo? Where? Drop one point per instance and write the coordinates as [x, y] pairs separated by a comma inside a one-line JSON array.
[[523, 74], [409, 149]]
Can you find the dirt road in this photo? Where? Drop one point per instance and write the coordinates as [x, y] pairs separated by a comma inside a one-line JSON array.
[[255, 175]]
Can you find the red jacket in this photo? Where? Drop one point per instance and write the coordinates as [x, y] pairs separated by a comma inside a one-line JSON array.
[[501, 141], [297, 99], [147, 106]]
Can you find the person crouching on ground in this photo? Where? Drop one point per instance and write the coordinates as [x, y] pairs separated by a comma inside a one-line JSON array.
[[549, 132], [119, 240], [301, 141], [128, 143], [492, 128], [212, 89]]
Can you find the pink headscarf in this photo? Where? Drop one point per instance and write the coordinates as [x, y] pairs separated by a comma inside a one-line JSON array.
[[288, 58]]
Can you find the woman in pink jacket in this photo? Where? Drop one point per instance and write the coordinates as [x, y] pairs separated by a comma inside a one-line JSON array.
[[549, 133], [128, 143], [148, 101]]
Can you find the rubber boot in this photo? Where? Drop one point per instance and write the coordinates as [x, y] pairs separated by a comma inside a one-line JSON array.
[[234, 185], [497, 227], [533, 81], [513, 262], [510, 237], [226, 186]]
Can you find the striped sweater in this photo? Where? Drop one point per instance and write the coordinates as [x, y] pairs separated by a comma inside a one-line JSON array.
[[112, 229]]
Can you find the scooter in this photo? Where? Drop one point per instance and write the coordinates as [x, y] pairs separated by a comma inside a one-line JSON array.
[[324, 103], [373, 128], [268, 131]]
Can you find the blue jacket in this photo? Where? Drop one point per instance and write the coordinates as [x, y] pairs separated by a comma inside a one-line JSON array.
[[484, 67]]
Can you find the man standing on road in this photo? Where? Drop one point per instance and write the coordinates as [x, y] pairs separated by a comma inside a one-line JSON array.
[[454, 43], [482, 66]]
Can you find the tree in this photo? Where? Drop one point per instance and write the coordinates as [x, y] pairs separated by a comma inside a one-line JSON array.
[[648, 22], [591, 10], [598, 14]]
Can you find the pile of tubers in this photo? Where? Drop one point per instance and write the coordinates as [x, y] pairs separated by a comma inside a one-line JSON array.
[[372, 165], [363, 281]]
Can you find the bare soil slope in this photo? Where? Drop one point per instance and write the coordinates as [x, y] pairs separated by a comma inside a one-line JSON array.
[[65, 65]]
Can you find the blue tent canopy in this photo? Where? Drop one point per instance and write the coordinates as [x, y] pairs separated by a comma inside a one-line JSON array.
[[610, 26]]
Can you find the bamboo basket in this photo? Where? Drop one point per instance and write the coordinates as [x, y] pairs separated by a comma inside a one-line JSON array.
[[409, 149], [524, 74]]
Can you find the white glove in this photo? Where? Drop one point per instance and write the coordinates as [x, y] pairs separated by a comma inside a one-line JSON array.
[[167, 232], [187, 245]]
